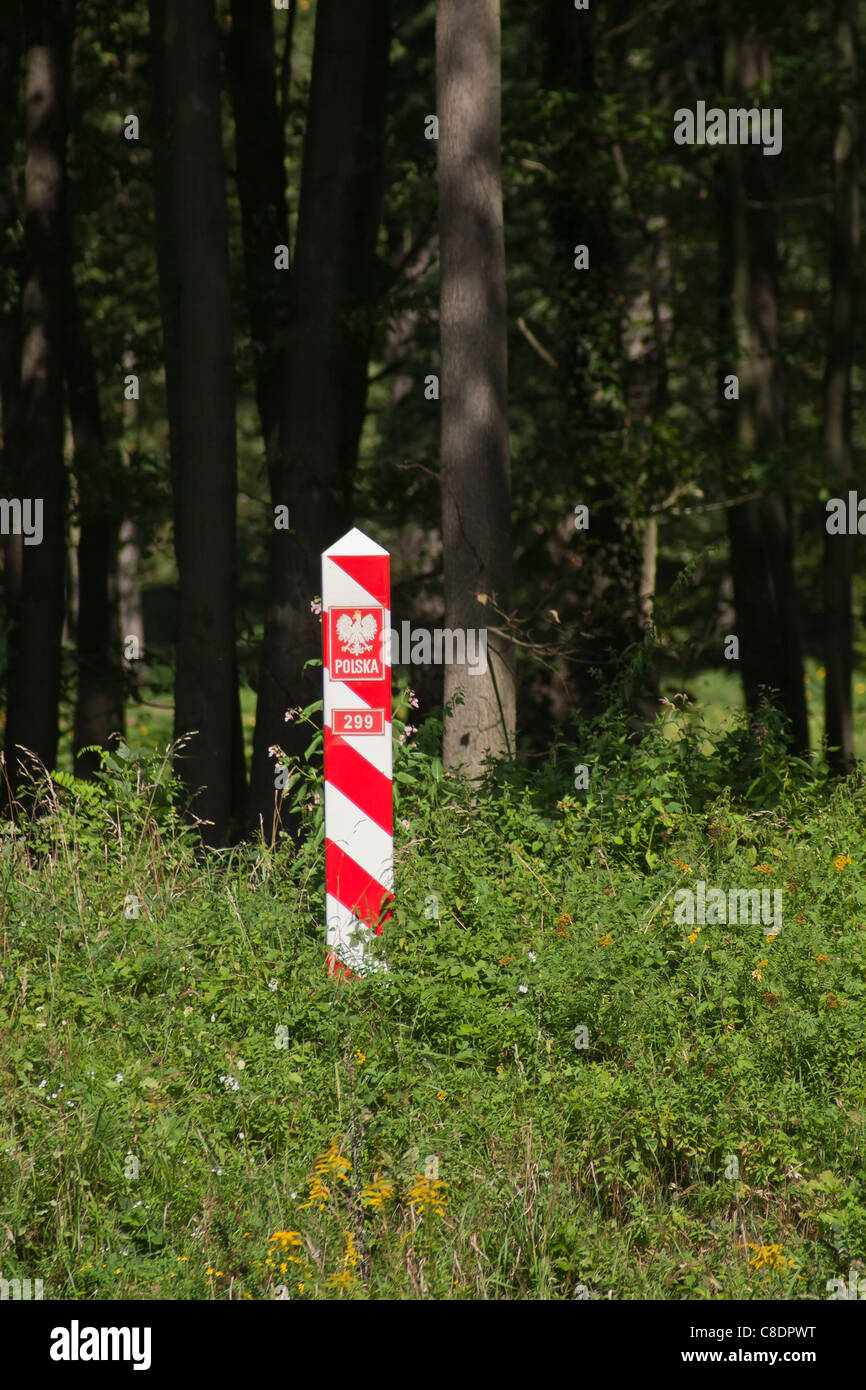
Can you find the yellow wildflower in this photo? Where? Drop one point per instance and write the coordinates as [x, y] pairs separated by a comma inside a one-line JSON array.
[[426, 1194], [285, 1238], [377, 1192], [764, 868], [756, 973], [770, 1255], [318, 1193], [332, 1161], [605, 940], [841, 861], [822, 960], [360, 1057], [441, 1095]]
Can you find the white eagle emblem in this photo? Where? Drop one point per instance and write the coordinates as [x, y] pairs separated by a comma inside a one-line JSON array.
[[357, 633]]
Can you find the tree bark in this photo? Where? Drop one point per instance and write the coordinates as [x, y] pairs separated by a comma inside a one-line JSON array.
[[261, 183], [838, 550], [193, 240], [99, 695], [36, 624], [760, 531], [474, 469], [333, 284]]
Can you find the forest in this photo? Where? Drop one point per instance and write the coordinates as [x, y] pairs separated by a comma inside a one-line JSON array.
[[561, 304]]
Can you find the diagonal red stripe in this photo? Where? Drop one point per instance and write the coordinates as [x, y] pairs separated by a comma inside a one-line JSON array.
[[370, 571], [352, 886], [368, 789]]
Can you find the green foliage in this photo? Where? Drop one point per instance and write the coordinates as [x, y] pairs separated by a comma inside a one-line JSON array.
[[583, 1069]]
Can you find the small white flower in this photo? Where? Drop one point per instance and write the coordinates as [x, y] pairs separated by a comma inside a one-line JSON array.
[[532, 957], [241, 1134], [272, 984], [42, 1085], [119, 1077], [213, 1018], [523, 989], [405, 824]]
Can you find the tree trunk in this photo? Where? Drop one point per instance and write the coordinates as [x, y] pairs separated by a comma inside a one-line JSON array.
[[474, 469], [10, 305], [261, 183], [37, 623], [838, 550], [760, 531], [194, 255], [333, 284], [99, 697]]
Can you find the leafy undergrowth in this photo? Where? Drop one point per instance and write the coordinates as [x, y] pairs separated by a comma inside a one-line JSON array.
[[556, 1089]]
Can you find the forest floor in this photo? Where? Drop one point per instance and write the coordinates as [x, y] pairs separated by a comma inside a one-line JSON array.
[[557, 1089]]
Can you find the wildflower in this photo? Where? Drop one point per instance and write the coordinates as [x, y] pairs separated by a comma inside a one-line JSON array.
[[318, 1193], [532, 957], [764, 868], [562, 923], [441, 1095], [841, 861], [822, 960], [406, 825], [412, 698], [377, 1192], [332, 1161], [316, 605], [756, 973], [770, 1255], [408, 731], [523, 989], [351, 1256], [285, 1239], [272, 984], [833, 1000], [693, 936], [605, 940], [231, 1083], [119, 1077], [506, 960], [426, 1194], [343, 1280], [360, 1057]]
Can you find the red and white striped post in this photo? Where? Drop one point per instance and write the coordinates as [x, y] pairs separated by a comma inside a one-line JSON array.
[[359, 812]]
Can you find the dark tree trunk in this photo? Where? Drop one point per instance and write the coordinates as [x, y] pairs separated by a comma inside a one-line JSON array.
[[193, 242], [474, 468], [838, 550], [99, 699], [10, 304], [37, 621], [333, 284], [261, 183], [760, 531]]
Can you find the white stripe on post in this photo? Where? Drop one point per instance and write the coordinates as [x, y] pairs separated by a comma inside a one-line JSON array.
[[359, 818]]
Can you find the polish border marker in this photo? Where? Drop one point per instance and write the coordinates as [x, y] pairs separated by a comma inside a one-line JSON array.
[[359, 814]]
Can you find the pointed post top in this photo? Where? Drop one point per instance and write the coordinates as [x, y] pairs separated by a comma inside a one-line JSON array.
[[355, 543]]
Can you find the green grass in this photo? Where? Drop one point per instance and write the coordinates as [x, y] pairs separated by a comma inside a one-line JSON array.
[[169, 1080]]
